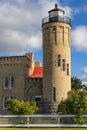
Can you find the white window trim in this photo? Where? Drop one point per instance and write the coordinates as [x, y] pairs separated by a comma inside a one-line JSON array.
[[4, 82], [4, 102], [9, 97], [9, 87], [10, 83]]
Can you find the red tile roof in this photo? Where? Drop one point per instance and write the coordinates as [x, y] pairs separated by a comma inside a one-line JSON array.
[[37, 73]]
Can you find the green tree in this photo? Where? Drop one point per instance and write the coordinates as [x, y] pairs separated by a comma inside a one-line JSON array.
[[76, 83], [76, 103], [21, 107]]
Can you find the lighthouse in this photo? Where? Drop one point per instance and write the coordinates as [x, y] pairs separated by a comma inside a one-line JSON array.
[[56, 56]]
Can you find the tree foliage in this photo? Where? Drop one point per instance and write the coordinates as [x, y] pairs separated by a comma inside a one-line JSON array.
[[76, 83], [76, 104], [21, 107]]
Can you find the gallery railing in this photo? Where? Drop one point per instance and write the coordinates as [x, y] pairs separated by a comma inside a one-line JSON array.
[[63, 19]]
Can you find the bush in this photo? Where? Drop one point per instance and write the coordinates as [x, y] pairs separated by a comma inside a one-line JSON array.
[[21, 107], [76, 104]]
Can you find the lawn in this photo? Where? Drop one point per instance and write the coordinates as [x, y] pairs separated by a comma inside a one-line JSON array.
[[43, 128]]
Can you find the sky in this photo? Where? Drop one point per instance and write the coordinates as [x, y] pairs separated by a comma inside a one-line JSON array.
[[21, 29]]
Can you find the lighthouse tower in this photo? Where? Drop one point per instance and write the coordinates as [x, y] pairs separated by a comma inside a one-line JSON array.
[[56, 56]]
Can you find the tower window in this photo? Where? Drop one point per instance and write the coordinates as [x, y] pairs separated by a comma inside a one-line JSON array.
[[67, 69], [61, 34], [54, 94], [68, 35], [63, 64], [59, 60], [53, 31]]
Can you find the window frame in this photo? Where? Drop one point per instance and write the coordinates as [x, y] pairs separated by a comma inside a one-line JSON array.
[[58, 60], [63, 64], [54, 94], [7, 81], [5, 105], [68, 70], [11, 84], [38, 97]]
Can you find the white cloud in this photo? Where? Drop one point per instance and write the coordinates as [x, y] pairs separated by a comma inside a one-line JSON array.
[[84, 75], [20, 24], [68, 11], [79, 38], [18, 41]]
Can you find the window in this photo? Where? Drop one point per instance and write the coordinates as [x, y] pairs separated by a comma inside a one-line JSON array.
[[6, 82], [9, 82], [68, 35], [54, 94], [5, 101], [54, 29], [38, 98], [63, 64], [46, 35], [61, 30], [12, 82], [67, 69], [59, 60], [54, 33]]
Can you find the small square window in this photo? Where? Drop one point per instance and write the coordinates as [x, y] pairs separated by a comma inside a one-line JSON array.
[[54, 29]]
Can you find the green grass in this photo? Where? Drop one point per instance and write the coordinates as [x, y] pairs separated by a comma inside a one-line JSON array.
[[43, 128]]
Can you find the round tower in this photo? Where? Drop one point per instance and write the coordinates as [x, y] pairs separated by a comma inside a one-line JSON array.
[[56, 56]]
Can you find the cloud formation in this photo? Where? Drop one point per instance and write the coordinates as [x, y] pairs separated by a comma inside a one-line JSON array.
[[20, 24], [84, 75], [79, 38]]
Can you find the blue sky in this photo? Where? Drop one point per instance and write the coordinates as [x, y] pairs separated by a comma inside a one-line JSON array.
[[21, 31]]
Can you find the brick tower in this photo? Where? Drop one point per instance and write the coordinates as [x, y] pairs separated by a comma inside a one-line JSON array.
[[56, 56]]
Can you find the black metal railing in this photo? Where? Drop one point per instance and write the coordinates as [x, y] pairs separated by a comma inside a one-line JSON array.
[[57, 19]]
